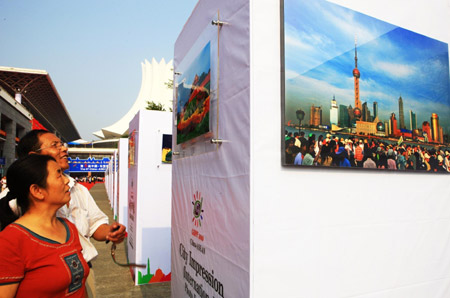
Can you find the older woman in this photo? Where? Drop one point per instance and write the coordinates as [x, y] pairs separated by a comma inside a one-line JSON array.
[[40, 254]]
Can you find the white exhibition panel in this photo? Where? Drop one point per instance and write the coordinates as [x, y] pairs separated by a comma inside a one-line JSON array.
[[112, 185], [149, 197], [211, 253], [273, 231], [115, 184], [122, 185], [106, 180], [335, 233], [109, 180]]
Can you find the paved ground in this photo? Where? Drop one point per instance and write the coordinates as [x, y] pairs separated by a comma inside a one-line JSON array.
[[111, 279]]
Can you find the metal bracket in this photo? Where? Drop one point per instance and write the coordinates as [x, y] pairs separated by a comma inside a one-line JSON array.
[[219, 141], [218, 23], [177, 73]]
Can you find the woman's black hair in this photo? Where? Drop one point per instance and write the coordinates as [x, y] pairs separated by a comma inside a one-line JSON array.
[[24, 172]]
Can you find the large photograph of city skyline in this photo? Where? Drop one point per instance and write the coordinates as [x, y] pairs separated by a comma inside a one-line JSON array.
[[356, 80]]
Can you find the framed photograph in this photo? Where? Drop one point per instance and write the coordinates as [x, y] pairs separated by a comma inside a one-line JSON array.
[[358, 92], [166, 154], [193, 97], [196, 104], [131, 148]]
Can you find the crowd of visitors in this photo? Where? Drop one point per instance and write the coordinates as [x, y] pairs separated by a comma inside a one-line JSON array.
[[362, 152]]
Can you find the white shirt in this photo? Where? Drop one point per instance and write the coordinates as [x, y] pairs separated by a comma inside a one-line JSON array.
[[83, 212]]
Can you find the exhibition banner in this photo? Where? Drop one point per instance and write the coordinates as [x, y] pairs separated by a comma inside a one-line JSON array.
[[210, 180], [88, 165], [122, 185]]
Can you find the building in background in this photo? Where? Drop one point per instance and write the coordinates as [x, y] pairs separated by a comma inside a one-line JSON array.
[[375, 109], [401, 115], [394, 128], [315, 118], [435, 128], [412, 120], [344, 118], [334, 112], [154, 88], [366, 113], [29, 100], [426, 130]]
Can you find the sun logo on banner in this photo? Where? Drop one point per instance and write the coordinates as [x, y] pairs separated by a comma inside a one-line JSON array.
[[197, 211]]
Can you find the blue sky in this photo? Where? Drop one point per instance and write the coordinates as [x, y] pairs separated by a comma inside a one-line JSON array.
[[92, 49], [393, 62]]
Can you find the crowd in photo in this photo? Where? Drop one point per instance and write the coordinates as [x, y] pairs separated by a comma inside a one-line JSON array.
[[362, 152]]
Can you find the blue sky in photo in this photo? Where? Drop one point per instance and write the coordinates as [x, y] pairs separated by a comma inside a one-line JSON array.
[[200, 64], [393, 62]]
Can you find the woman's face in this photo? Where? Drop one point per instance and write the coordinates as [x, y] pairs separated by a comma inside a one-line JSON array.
[[57, 184]]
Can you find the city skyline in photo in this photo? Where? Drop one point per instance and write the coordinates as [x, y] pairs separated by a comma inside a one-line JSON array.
[[320, 41]]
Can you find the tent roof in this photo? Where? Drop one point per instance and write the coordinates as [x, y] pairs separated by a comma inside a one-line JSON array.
[[153, 88]]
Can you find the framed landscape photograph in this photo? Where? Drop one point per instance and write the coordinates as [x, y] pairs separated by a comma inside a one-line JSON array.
[[193, 97], [166, 154], [358, 92], [131, 148]]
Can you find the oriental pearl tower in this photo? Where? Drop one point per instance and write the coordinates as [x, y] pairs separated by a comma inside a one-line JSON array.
[[358, 107]]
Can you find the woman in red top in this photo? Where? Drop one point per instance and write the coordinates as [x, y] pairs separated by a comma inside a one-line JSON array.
[[40, 254]]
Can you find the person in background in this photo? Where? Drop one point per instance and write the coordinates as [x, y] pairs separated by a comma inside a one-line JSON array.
[[290, 151], [308, 158], [40, 254], [391, 161], [3, 183], [82, 210], [401, 159], [359, 154]]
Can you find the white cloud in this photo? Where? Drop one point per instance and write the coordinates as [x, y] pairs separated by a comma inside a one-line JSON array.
[[347, 25], [290, 74], [297, 43], [397, 70]]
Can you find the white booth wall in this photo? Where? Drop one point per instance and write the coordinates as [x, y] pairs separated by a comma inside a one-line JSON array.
[[106, 180], [122, 184], [149, 198], [115, 184], [112, 181], [218, 240], [273, 231], [109, 180]]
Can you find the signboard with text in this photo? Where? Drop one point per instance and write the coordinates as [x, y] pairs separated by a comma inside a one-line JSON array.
[[88, 165]]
